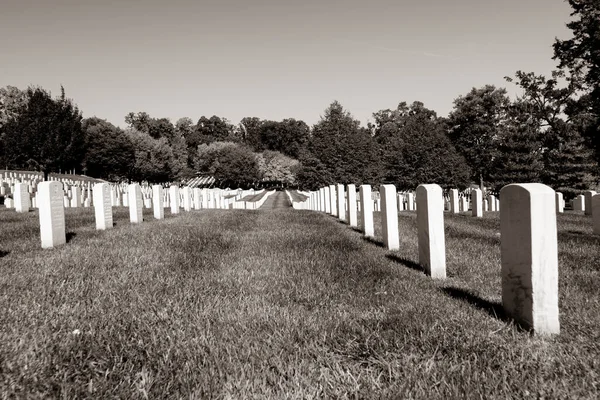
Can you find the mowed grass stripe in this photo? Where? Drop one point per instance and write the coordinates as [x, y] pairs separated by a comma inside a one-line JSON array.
[[282, 303]]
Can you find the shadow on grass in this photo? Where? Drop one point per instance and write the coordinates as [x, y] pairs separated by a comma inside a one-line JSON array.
[[4, 253], [374, 241], [580, 237], [70, 236], [405, 261], [492, 308]]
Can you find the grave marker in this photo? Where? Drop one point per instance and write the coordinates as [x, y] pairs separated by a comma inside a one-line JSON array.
[[103, 206], [52, 214], [389, 217], [476, 203], [351, 212], [430, 222], [135, 203], [529, 253], [366, 219]]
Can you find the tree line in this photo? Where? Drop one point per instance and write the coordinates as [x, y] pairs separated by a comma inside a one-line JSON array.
[[550, 134]]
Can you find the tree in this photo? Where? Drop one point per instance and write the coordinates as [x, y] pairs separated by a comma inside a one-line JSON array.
[[288, 136], [581, 56], [210, 130], [553, 109], [312, 174], [152, 158], [277, 167], [47, 136], [228, 162], [519, 154], [417, 151], [347, 151], [109, 153], [250, 130], [475, 125], [12, 103]]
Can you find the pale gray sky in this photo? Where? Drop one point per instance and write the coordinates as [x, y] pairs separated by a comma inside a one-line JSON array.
[[271, 59]]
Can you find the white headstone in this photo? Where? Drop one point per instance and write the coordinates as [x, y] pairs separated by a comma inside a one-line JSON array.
[[366, 215], [476, 203], [351, 212], [174, 199], [52, 214], [157, 202], [410, 201], [588, 194], [529, 253], [21, 198], [596, 213], [341, 202], [135, 203], [327, 199], [75, 197], [492, 202], [389, 217], [559, 202], [197, 199], [103, 206], [332, 199], [430, 222], [187, 198], [453, 201]]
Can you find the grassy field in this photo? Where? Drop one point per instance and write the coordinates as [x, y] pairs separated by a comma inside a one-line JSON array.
[[281, 304]]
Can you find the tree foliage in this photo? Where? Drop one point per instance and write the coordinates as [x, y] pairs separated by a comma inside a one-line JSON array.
[[416, 149], [475, 125], [45, 136], [110, 153]]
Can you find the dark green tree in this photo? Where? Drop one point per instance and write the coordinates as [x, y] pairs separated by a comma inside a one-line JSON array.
[[109, 153], [474, 126], [47, 136], [417, 151], [348, 152], [580, 55], [519, 154]]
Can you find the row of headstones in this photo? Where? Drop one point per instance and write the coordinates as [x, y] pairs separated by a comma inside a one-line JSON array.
[[25, 196], [529, 248], [52, 210]]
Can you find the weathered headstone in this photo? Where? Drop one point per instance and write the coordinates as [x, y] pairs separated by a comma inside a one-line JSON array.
[[529, 253], [351, 212], [366, 215], [134, 194], [588, 194], [103, 206], [327, 199], [52, 214], [389, 217], [174, 199], [476, 203], [453, 201], [197, 199], [430, 222]]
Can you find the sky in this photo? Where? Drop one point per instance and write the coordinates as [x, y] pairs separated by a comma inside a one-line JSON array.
[[272, 59]]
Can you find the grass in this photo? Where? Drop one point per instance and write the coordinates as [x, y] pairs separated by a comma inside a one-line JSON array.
[[254, 197], [297, 196], [281, 304]]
